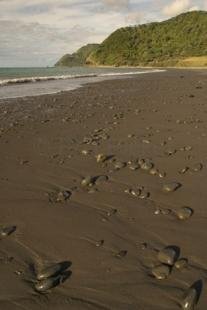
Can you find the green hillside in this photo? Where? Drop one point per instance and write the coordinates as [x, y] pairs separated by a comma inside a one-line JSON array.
[[156, 44], [78, 58]]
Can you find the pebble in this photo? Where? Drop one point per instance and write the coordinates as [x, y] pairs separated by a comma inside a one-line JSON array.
[[146, 165], [190, 299], [121, 254], [102, 178], [157, 212], [197, 167], [134, 166], [45, 285], [141, 161], [6, 231], [24, 162], [133, 192], [100, 158], [162, 174], [85, 152], [184, 213], [50, 271], [161, 272], [112, 212], [183, 170], [99, 243], [63, 196], [167, 256], [166, 211], [171, 186], [146, 141], [188, 148], [181, 263], [170, 152], [144, 194], [153, 171], [119, 165], [87, 181]]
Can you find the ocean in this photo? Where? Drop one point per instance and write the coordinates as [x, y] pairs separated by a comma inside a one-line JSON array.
[[21, 82]]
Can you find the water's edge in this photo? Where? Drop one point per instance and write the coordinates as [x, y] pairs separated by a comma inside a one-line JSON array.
[[35, 86]]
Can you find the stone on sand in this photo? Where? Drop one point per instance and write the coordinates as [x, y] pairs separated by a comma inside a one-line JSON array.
[[167, 256], [46, 284], [190, 299], [181, 263], [87, 181], [171, 187], [6, 231], [184, 213], [51, 271], [161, 272]]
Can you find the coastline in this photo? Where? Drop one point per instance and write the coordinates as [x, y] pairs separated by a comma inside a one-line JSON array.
[[42, 85], [110, 237]]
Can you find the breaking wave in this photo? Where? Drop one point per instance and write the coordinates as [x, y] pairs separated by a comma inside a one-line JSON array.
[[24, 80]]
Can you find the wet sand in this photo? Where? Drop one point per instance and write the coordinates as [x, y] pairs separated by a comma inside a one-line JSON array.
[[109, 230]]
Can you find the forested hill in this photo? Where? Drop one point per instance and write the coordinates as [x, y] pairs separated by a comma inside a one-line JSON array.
[[181, 40], [78, 58]]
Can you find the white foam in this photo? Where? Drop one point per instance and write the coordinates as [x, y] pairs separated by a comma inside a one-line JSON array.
[[130, 73], [24, 80], [42, 79]]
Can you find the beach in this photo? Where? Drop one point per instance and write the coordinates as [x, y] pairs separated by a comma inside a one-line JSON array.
[[97, 179]]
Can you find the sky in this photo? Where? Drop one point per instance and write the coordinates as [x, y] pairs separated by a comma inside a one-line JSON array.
[[38, 32]]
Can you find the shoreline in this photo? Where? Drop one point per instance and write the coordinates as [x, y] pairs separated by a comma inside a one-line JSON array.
[[108, 232], [57, 84]]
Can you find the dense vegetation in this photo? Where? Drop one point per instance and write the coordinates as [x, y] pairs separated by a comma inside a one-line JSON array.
[[155, 44], [78, 58]]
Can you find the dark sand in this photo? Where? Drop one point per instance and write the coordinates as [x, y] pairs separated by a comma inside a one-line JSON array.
[[41, 140]]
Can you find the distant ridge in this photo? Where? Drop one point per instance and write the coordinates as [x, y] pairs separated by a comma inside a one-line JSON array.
[[78, 58], [179, 41]]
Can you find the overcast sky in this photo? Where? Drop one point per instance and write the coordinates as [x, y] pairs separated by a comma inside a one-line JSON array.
[[38, 32]]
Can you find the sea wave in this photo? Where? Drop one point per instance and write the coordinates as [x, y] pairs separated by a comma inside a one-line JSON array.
[[24, 80], [131, 73]]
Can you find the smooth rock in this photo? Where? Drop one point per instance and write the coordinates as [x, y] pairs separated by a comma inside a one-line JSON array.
[[183, 170], [144, 194], [162, 174], [161, 272], [50, 271], [102, 178], [153, 171], [121, 254], [87, 181], [45, 285], [146, 165], [167, 256], [63, 196], [119, 165], [184, 213], [197, 168], [190, 299], [171, 187], [181, 263], [100, 158], [85, 152], [6, 231], [134, 166]]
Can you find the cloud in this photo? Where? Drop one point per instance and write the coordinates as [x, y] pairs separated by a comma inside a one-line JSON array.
[[39, 44], [194, 8], [116, 4], [177, 7], [134, 17], [38, 32]]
